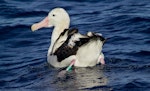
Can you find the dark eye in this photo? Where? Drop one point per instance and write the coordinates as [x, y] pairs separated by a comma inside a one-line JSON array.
[[53, 14]]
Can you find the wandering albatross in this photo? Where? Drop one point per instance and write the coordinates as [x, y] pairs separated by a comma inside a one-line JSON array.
[[68, 44]]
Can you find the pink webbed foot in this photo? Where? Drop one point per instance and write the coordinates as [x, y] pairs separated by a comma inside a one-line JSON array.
[[102, 61]]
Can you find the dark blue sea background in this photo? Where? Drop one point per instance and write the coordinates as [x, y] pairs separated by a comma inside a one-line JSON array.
[[23, 53]]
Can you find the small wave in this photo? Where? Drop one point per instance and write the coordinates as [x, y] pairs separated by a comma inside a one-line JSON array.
[[28, 14], [22, 76], [2, 1], [19, 65], [135, 85], [94, 1], [119, 38], [140, 19], [143, 52], [6, 29], [100, 88], [14, 12], [146, 30]]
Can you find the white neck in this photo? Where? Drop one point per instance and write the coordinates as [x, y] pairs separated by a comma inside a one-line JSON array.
[[56, 33]]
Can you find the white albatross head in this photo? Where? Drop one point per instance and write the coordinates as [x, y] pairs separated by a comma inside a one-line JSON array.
[[58, 18]]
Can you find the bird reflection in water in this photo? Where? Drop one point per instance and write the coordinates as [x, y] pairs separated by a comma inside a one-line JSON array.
[[83, 78]]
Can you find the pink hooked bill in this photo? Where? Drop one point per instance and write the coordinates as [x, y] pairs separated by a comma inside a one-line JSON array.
[[43, 23]]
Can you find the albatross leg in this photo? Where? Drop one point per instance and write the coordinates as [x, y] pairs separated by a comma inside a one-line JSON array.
[[101, 59], [71, 64], [62, 74]]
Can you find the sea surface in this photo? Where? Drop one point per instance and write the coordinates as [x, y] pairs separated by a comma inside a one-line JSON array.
[[23, 53]]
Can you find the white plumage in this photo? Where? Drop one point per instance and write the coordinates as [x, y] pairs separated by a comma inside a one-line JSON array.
[[68, 45]]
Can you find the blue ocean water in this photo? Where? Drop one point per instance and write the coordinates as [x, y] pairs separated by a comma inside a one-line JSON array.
[[126, 24]]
